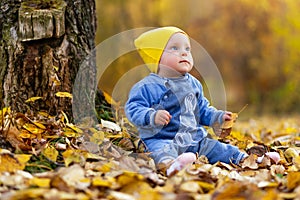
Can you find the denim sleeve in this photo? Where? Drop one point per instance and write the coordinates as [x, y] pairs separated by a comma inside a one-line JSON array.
[[208, 114]]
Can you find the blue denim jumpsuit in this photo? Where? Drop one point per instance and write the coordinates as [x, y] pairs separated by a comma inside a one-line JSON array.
[[183, 98]]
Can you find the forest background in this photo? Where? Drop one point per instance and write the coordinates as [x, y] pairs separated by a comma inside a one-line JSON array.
[[255, 45]]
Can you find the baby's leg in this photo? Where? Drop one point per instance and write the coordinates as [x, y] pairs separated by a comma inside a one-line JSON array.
[[180, 162], [220, 152]]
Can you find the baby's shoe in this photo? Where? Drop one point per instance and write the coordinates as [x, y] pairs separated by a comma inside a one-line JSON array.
[[272, 155], [180, 162]]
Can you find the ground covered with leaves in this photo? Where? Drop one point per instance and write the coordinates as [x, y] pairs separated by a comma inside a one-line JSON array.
[[47, 157]]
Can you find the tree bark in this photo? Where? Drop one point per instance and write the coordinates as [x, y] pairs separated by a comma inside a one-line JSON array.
[[42, 46]]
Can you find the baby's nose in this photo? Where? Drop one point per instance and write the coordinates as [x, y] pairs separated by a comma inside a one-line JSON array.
[[183, 53]]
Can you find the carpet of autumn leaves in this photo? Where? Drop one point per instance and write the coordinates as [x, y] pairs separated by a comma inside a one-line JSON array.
[[47, 157]]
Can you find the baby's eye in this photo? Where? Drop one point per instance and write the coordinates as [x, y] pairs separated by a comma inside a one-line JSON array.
[[188, 48], [174, 48]]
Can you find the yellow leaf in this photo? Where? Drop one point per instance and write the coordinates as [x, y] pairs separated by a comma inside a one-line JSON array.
[[127, 177], [26, 134], [73, 156], [63, 94], [33, 99], [65, 117], [40, 125], [151, 195], [106, 167], [238, 135], [51, 153], [137, 185], [45, 114], [100, 182], [9, 163], [293, 180], [116, 136], [75, 128], [40, 182], [55, 68], [290, 154], [4, 111], [69, 133], [97, 137], [93, 156], [110, 100], [33, 129], [205, 185], [23, 158], [32, 193]]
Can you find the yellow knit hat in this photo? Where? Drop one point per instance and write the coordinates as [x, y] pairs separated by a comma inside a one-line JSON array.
[[151, 45]]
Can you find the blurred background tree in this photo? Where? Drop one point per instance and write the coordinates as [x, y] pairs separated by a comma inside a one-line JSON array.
[[255, 44]]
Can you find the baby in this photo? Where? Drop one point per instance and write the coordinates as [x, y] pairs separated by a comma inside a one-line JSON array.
[[169, 108]]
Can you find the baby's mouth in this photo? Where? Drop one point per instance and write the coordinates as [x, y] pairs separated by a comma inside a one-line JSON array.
[[184, 61]]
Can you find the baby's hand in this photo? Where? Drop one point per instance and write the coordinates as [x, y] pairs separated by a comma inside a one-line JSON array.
[[227, 116], [224, 132], [162, 117]]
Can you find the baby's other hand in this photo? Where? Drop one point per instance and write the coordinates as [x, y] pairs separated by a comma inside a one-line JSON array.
[[162, 117]]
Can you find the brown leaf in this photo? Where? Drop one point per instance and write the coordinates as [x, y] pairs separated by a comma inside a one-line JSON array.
[[126, 144], [229, 124], [277, 169], [266, 162], [60, 184], [250, 162], [233, 189], [258, 150], [13, 137]]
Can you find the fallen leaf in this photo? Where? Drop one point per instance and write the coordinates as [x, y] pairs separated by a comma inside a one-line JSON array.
[[120, 196], [110, 125], [73, 156], [296, 162], [110, 100], [267, 184], [250, 162], [51, 153], [63, 94], [229, 123], [97, 137], [290, 154], [33, 128], [40, 182], [190, 186], [33, 99], [103, 182], [73, 127], [293, 180], [10, 163], [73, 176], [13, 137]]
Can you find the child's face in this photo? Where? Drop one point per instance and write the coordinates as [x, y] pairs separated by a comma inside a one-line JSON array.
[[177, 54]]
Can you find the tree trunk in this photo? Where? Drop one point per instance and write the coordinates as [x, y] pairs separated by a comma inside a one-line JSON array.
[[42, 46]]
